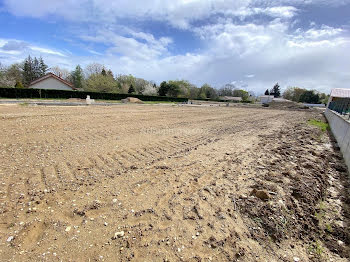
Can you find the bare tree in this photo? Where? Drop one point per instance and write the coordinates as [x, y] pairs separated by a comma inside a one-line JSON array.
[[93, 69], [61, 72], [9, 76]]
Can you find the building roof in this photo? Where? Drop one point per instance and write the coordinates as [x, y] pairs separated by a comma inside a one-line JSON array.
[[233, 98], [340, 92], [48, 75]]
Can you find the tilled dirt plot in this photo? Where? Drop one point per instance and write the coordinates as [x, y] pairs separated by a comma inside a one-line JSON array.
[[169, 183]]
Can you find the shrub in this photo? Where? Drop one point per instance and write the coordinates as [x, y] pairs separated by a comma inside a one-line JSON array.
[[19, 84]]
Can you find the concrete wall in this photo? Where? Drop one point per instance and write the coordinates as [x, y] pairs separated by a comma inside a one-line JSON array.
[[51, 83], [341, 130]]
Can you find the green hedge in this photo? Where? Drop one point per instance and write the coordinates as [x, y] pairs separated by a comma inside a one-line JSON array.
[[219, 100], [48, 93]]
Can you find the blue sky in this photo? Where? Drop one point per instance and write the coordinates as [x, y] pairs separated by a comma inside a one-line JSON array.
[[251, 43]]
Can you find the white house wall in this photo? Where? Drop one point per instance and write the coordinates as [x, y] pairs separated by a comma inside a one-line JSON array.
[[51, 83]]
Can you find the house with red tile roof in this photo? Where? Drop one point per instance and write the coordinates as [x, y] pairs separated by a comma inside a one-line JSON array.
[[52, 81]]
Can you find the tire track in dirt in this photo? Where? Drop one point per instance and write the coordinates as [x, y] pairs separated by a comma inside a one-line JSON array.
[[165, 149], [159, 188], [183, 145]]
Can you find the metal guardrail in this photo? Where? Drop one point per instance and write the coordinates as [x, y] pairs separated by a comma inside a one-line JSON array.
[[341, 106]]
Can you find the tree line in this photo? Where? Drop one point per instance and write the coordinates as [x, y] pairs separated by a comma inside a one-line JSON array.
[[299, 95], [98, 78], [22, 74], [303, 95]]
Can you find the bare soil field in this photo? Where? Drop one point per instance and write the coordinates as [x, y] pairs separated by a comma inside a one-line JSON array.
[[170, 183]]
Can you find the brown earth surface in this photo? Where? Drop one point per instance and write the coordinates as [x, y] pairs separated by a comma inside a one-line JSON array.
[[170, 183]]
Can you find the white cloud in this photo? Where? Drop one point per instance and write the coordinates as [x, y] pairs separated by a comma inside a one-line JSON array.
[[69, 9], [324, 31], [242, 39], [309, 2], [46, 50], [179, 12], [94, 52], [281, 11], [317, 37], [11, 46], [138, 45], [232, 50], [275, 11], [232, 42], [312, 60], [13, 51], [323, 43]]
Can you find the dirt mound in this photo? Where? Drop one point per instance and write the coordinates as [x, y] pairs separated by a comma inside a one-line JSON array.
[[297, 175], [132, 100], [287, 105]]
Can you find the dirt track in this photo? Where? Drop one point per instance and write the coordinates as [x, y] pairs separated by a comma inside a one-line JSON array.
[[175, 180]]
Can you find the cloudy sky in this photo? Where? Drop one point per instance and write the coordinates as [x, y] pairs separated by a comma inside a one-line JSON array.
[[252, 43]]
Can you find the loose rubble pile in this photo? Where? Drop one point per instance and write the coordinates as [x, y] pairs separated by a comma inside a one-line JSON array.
[[132, 100], [287, 105]]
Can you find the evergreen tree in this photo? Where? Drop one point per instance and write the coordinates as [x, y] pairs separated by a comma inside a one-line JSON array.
[[36, 69], [276, 91], [42, 67], [163, 89], [33, 69], [28, 75], [267, 93], [131, 89], [77, 77], [103, 72]]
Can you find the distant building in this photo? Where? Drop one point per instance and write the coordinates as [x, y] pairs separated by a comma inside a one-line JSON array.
[[231, 98], [339, 97], [51, 81], [266, 99], [338, 117]]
